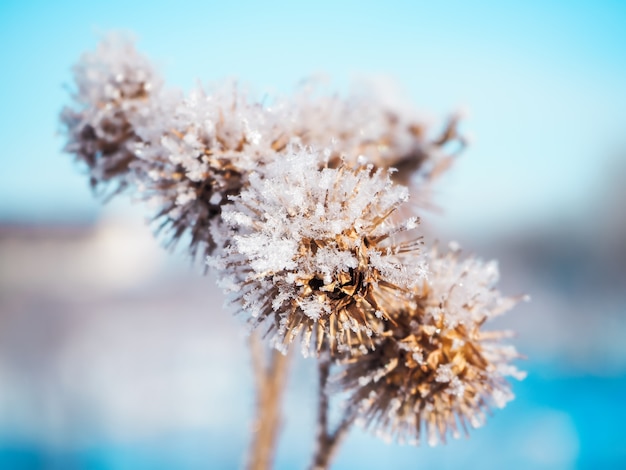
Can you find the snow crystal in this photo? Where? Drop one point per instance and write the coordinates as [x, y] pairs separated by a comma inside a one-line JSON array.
[[444, 373]]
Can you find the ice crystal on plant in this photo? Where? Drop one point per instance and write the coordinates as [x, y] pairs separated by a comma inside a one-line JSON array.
[[315, 251], [434, 371]]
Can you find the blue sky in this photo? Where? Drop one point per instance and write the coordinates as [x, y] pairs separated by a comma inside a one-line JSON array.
[[544, 84]]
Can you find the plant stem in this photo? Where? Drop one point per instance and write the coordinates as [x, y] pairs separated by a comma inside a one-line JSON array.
[[270, 381], [327, 443]]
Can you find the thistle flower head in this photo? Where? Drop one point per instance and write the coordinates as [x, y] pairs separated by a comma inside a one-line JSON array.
[[434, 371], [197, 153], [114, 84], [376, 126], [313, 250]]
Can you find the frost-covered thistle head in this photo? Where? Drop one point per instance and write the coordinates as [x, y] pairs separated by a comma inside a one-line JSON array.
[[113, 86], [434, 371], [197, 152], [381, 129], [313, 251]]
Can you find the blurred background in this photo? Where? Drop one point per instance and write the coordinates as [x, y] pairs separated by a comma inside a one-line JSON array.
[[115, 354]]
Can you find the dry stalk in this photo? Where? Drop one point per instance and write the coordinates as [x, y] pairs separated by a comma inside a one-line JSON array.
[[327, 443], [270, 383]]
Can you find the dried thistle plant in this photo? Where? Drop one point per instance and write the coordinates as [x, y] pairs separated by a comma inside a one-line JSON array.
[[300, 209]]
